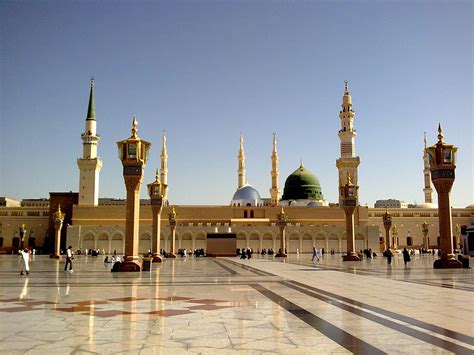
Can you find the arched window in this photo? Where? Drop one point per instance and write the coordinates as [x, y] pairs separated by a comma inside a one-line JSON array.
[[15, 242], [245, 214], [1, 242], [251, 214], [409, 241]]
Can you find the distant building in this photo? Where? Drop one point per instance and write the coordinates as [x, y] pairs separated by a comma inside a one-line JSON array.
[[9, 202], [390, 203]]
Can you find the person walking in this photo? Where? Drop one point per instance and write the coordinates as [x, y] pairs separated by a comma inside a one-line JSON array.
[[25, 261], [315, 254], [69, 259], [389, 256], [406, 256]]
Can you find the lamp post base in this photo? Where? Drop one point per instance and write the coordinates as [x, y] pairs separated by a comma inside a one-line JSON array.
[[447, 262], [55, 256], [127, 266], [280, 255], [157, 258], [351, 256]]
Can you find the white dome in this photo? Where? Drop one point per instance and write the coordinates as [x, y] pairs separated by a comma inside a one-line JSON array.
[[246, 196]]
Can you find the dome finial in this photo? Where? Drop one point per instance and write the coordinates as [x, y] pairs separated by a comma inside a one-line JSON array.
[[440, 134], [301, 163], [134, 127]]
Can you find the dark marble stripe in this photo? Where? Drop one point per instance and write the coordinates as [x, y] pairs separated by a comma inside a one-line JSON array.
[[228, 269], [427, 326], [250, 268], [358, 309], [344, 339], [443, 285]]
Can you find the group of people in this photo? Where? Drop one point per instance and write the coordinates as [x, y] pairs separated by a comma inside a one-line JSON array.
[[245, 253], [405, 253], [25, 258]]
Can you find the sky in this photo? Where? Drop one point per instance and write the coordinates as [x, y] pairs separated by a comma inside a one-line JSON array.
[[207, 70]]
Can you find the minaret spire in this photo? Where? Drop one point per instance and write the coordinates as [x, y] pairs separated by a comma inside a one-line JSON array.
[[91, 108], [90, 164], [427, 190], [348, 162], [274, 190], [241, 157], [164, 163]]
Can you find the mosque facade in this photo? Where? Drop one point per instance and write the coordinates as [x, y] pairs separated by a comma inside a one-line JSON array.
[[312, 221]]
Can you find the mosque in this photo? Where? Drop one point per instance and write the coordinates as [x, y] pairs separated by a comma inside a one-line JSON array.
[[93, 222]]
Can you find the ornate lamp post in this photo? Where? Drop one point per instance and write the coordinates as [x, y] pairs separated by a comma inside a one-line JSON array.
[[156, 191], [395, 236], [348, 194], [58, 219], [22, 236], [442, 165], [282, 222], [425, 229], [133, 152], [172, 222], [387, 224]]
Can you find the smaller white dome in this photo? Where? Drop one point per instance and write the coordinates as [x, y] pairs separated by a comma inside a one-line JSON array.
[[470, 206], [246, 196]]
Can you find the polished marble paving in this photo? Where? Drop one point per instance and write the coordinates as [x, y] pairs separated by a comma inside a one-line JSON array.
[[228, 305]]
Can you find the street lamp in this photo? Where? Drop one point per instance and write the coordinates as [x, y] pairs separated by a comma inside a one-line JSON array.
[[348, 194], [425, 229], [442, 158], [133, 152], [387, 223], [282, 223], [156, 191]]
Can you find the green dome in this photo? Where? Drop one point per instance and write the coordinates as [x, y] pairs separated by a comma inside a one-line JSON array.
[[302, 185]]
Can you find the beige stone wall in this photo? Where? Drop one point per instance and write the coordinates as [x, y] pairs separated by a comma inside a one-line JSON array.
[[34, 219]]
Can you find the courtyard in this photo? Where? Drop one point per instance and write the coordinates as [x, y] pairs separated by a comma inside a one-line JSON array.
[[228, 305]]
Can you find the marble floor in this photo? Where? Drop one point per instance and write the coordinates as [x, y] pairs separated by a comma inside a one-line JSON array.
[[228, 305]]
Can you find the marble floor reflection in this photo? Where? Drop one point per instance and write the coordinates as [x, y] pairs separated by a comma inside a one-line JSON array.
[[228, 305]]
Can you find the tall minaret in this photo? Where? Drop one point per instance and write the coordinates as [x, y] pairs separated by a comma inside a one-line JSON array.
[[348, 163], [164, 163], [275, 191], [89, 165], [427, 174], [241, 171]]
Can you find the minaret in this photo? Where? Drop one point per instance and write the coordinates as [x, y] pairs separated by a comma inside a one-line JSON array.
[[275, 191], [164, 164], [427, 174], [241, 171], [89, 165], [348, 163]]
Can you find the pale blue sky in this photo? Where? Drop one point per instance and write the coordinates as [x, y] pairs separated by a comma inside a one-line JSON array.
[[206, 70]]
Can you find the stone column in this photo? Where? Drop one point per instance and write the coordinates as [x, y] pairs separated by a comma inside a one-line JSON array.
[[447, 260], [282, 226], [133, 184], [172, 222], [58, 224], [350, 235], [156, 233]]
